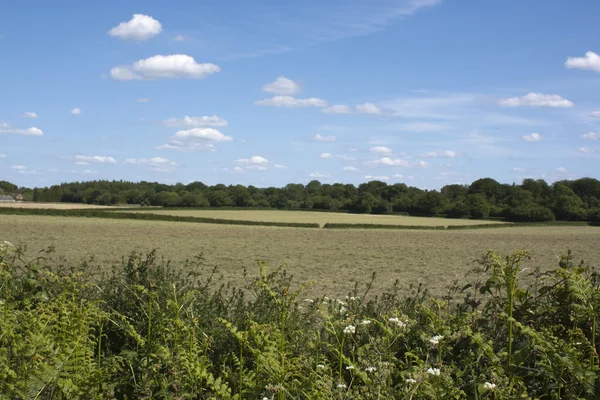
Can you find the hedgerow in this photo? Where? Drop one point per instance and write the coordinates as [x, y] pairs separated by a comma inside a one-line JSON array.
[[151, 330]]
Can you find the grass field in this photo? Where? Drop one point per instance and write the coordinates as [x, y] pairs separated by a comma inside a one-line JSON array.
[[332, 258], [56, 206], [317, 217]]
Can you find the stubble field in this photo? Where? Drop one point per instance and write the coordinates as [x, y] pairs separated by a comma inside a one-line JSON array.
[[315, 217], [334, 259], [53, 206]]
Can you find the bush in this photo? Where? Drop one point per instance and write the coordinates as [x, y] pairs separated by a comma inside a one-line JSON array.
[[149, 330]]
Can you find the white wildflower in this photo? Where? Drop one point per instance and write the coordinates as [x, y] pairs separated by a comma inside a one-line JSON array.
[[341, 386], [371, 369], [309, 300], [489, 386], [350, 329], [396, 321], [411, 381], [433, 371], [365, 322], [340, 302], [320, 366], [326, 298], [342, 310], [436, 340], [349, 367]]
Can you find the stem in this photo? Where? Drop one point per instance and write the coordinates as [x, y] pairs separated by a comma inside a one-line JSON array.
[[342, 356], [100, 356], [241, 391], [594, 328]]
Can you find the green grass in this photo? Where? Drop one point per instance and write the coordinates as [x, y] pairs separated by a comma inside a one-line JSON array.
[[330, 257]]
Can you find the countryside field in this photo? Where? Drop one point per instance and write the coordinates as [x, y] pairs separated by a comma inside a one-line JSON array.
[[334, 259], [55, 206], [317, 217]]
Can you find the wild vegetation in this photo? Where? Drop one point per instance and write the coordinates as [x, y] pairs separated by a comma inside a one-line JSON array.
[[148, 330], [532, 200]]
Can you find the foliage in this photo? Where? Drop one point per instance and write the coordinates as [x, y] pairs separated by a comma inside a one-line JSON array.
[[532, 201], [147, 330]]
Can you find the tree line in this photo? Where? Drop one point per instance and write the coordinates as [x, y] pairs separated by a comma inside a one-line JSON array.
[[532, 200]]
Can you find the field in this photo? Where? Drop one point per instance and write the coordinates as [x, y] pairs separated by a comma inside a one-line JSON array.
[[334, 259], [317, 217], [55, 206]]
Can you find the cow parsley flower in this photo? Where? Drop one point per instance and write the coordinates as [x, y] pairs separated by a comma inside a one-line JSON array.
[[411, 381], [436, 340], [371, 369], [396, 321], [309, 300], [342, 386], [365, 322], [433, 371], [321, 366], [489, 386], [349, 367], [350, 329]]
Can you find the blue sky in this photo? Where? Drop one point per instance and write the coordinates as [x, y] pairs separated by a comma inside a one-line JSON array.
[[426, 92]]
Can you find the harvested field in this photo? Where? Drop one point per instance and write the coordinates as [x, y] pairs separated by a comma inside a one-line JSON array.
[[334, 259], [56, 206], [317, 217]]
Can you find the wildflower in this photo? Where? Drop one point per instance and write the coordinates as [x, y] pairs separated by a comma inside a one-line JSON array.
[[349, 367], [411, 381], [320, 366], [309, 300], [342, 386], [371, 369], [436, 340], [342, 310], [365, 322], [341, 302], [350, 329], [489, 386], [433, 371], [326, 298], [396, 321]]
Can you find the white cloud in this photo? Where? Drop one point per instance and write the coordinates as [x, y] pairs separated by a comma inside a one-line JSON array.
[[142, 100], [76, 111], [82, 160], [24, 170], [2, 155], [195, 122], [350, 168], [179, 38], [139, 27], [279, 166], [397, 162], [585, 150], [381, 150], [532, 137], [400, 176], [537, 100], [591, 61], [318, 175], [519, 170], [8, 129], [161, 67], [326, 155], [154, 161], [197, 139], [283, 86], [327, 139], [591, 136], [291, 102], [368, 108], [561, 170], [595, 114], [30, 114], [337, 109], [377, 178], [254, 160], [440, 154]]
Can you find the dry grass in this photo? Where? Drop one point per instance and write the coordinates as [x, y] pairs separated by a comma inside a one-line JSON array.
[[56, 206], [317, 217], [332, 258]]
